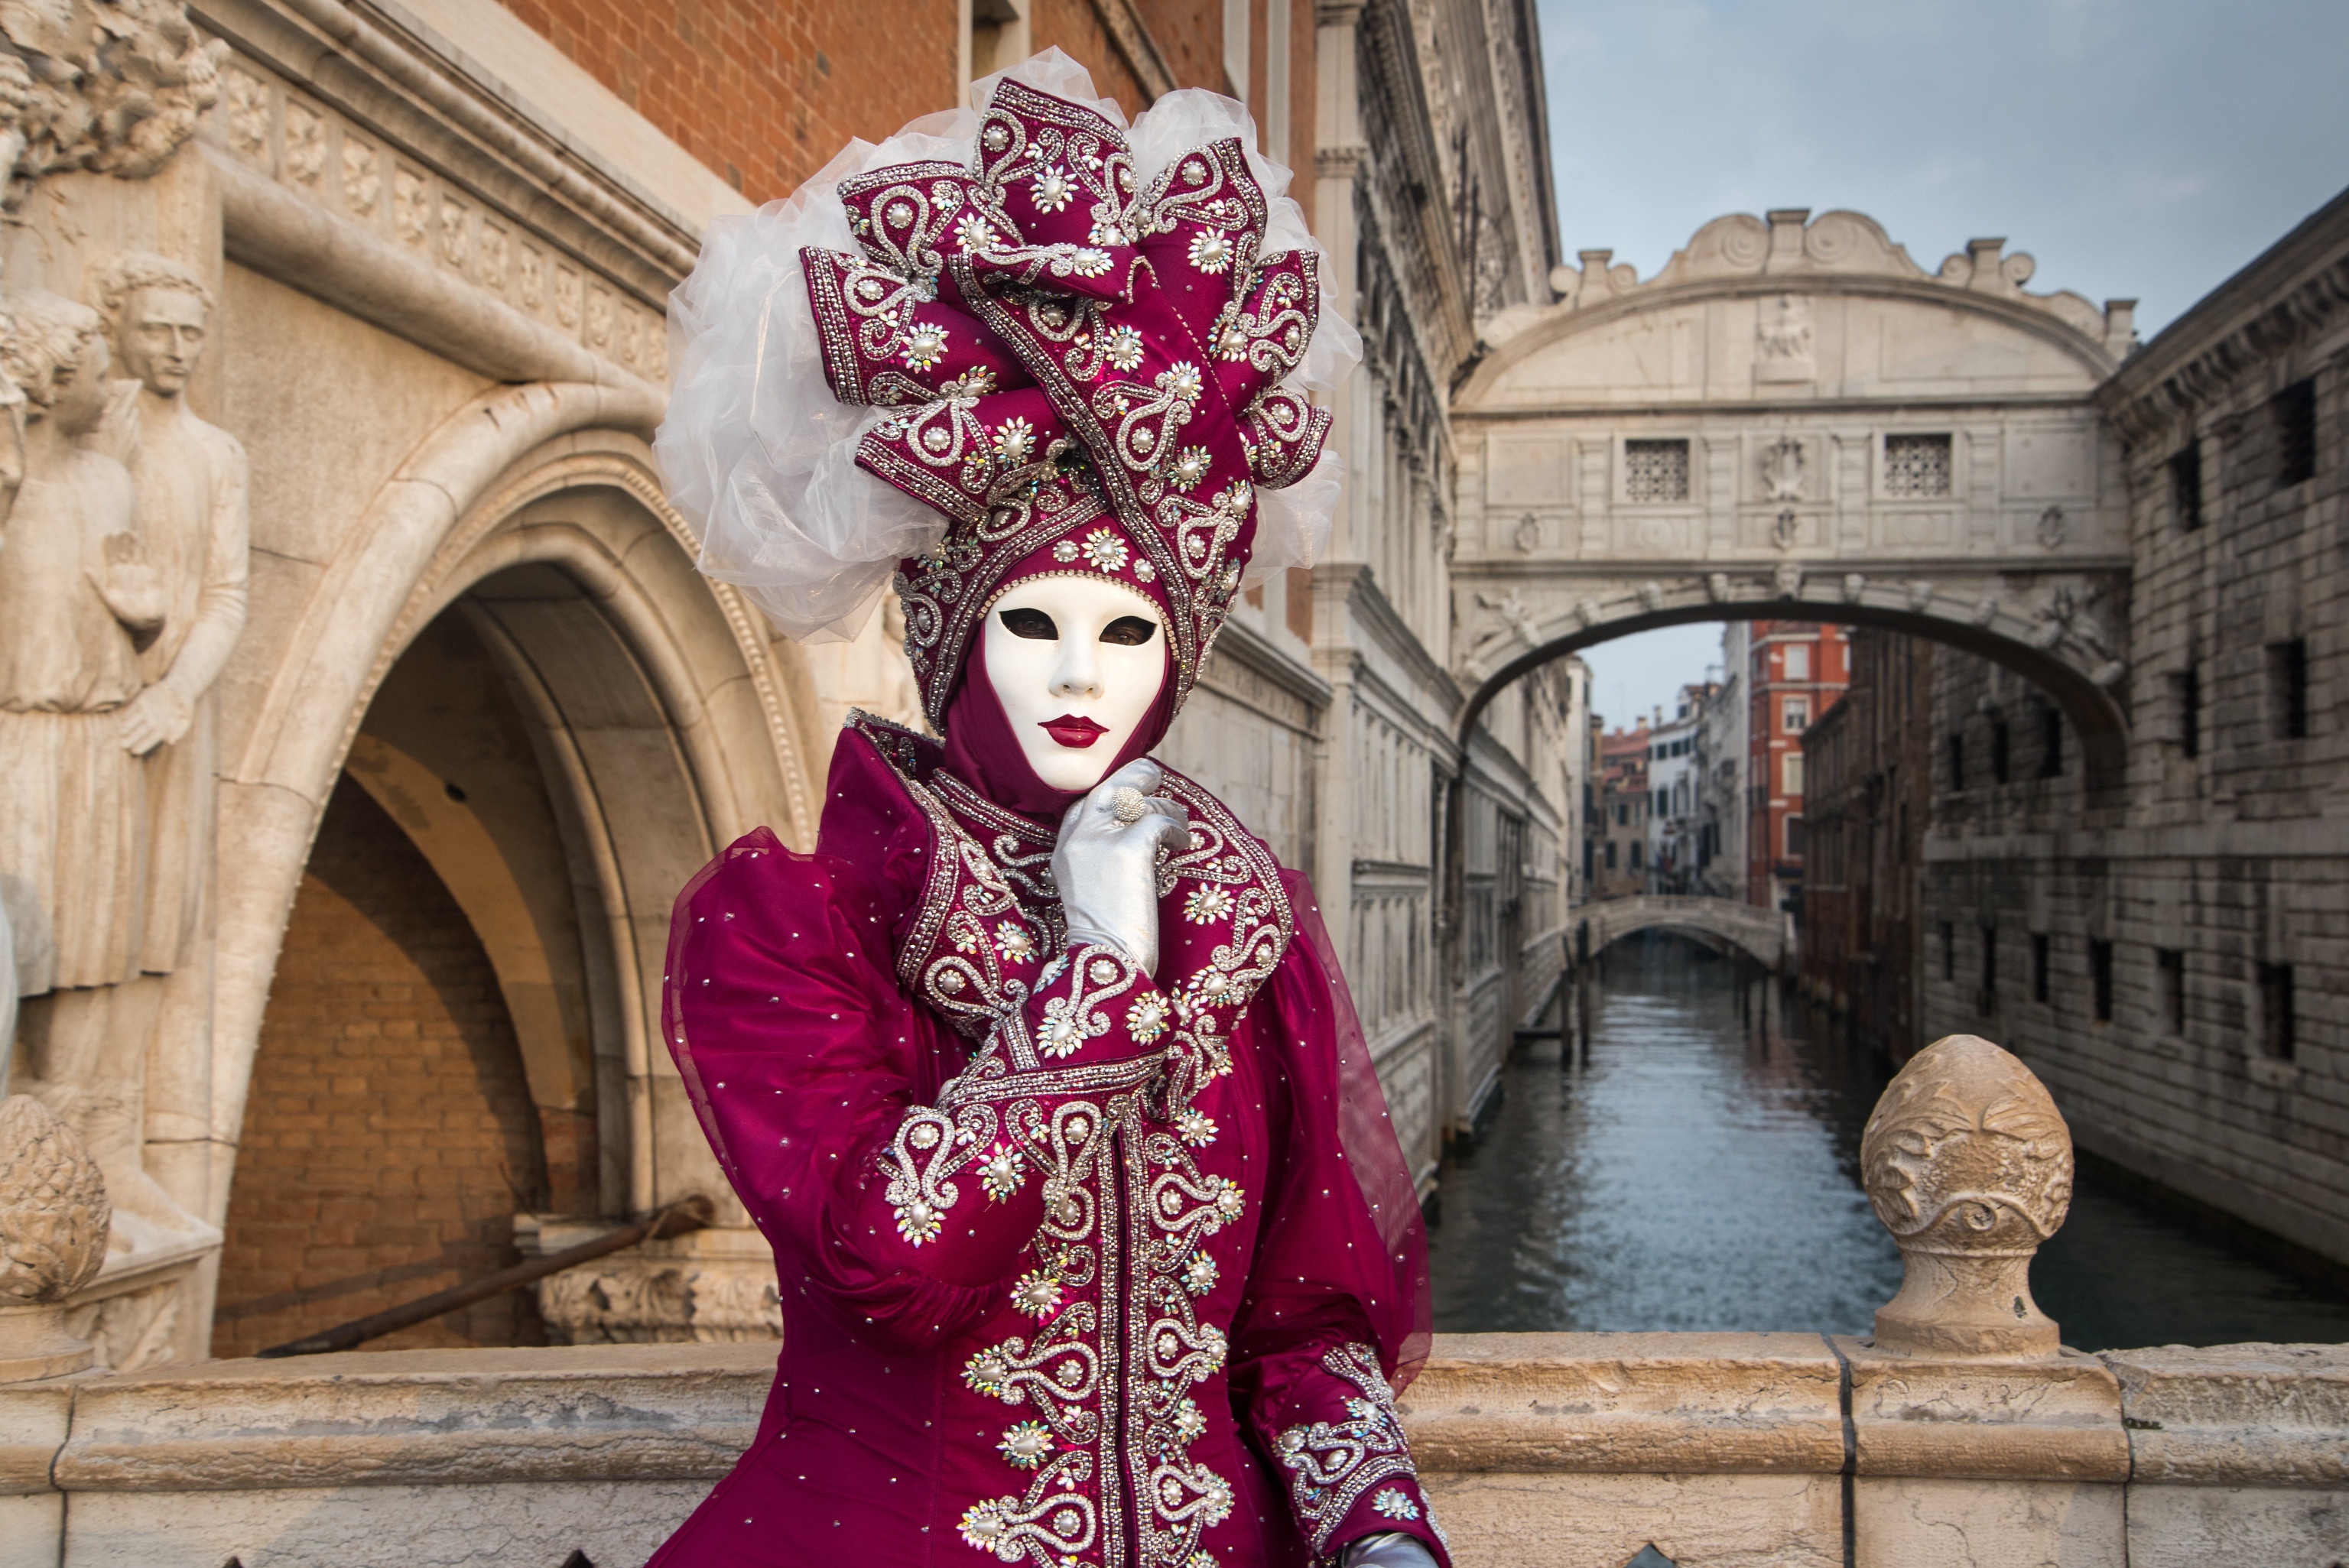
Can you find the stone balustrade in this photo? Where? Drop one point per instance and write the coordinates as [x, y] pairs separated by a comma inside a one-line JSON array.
[[1959, 1433]]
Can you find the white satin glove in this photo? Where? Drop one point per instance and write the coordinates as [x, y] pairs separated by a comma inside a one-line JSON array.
[[1392, 1550], [1106, 862]]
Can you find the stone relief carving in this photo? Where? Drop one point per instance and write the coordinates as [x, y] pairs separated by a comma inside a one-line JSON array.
[[648, 1301], [1782, 469], [122, 593], [1968, 1164], [2051, 530], [114, 86], [52, 1234], [1782, 348]]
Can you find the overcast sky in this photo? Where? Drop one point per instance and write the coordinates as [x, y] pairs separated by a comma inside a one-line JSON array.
[[2138, 149]]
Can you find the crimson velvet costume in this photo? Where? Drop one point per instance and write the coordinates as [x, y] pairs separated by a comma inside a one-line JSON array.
[[1080, 1263]]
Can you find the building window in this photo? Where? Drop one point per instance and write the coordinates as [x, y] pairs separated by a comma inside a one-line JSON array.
[[1610, 854], [2294, 412], [1956, 749], [1987, 998], [1622, 816], [1790, 773], [1799, 661], [1948, 951], [1655, 471], [1998, 749], [1794, 838], [2051, 740], [2169, 966], [2186, 709], [1915, 467], [2287, 689], [2039, 966], [2278, 1029], [2100, 979], [1635, 854], [2186, 487], [1796, 715]]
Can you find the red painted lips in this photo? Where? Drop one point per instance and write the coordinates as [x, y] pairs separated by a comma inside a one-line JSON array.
[[1074, 732]]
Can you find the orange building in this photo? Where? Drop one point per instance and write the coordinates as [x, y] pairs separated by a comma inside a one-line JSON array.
[[1795, 670]]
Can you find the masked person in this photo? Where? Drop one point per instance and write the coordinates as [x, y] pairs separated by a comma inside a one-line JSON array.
[[1093, 1241]]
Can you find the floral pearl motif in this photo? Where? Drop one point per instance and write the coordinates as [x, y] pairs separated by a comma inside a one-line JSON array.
[[1026, 1445], [995, 138], [1199, 1274], [1206, 904], [1190, 467], [1014, 440], [1211, 252], [1038, 1293], [1051, 188], [1390, 1502], [926, 345], [1122, 346], [1184, 381], [1145, 571], [1065, 550], [923, 1136], [936, 438], [1195, 1128], [1104, 551], [898, 215]]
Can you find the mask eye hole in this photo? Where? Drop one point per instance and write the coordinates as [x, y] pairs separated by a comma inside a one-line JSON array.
[[1128, 631], [1031, 624]]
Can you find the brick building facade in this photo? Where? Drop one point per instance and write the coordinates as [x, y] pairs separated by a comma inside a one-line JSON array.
[[1869, 771], [1794, 672]]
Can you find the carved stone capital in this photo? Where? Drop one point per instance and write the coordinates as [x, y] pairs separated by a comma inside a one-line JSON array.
[[1969, 1164]]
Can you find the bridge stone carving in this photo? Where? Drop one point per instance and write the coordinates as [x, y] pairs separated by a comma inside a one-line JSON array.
[[1767, 935], [1795, 420]]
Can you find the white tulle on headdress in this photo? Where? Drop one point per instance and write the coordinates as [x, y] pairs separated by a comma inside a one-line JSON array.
[[759, 456]]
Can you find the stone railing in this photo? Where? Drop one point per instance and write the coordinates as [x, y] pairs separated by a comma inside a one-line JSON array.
[[1959, 1433]]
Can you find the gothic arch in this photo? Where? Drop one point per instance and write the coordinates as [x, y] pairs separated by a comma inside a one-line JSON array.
[[668, 723]]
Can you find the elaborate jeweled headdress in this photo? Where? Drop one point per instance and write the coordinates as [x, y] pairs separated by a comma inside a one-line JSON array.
[[1062, 346]]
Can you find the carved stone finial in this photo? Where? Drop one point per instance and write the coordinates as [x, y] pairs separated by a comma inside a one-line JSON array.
[[53, 1218], [1969, 1164]]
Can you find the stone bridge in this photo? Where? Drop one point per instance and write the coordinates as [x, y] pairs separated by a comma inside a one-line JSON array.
[[1767, 935], [1794, 420]]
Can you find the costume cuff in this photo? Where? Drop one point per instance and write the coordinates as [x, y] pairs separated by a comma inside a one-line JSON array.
[[1349, 1472]]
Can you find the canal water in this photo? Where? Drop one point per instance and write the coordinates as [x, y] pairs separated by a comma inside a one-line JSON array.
[[1685, 1174]]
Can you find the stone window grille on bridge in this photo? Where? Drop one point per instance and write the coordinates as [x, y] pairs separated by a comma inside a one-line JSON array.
[[1915, 467], [1655, 471], [2100, 978]]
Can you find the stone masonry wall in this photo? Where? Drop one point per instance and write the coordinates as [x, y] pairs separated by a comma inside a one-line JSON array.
[[389, 1137], [2193, 1018]]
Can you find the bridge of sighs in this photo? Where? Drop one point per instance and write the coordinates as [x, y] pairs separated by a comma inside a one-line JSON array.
[[1793, 419]]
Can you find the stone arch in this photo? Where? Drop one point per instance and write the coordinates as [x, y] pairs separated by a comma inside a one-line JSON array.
[[2064, 665], [1761, 935], [666, 721]]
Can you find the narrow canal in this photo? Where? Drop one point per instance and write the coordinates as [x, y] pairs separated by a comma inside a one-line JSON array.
[[1686, 1174]]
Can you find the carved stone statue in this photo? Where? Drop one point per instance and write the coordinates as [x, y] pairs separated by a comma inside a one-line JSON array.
[[192, 485], [79, 600]]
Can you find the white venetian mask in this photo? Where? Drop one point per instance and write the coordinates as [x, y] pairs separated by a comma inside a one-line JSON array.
[[1076, 662]]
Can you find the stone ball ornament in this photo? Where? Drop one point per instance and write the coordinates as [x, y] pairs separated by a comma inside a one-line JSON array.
[[1969, 1164]]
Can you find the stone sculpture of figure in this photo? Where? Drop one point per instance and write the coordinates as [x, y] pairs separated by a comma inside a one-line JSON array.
[[78, 600], [190, 478]]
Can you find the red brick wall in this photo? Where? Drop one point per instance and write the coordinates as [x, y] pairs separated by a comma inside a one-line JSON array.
[[389, 1136], [765, 91]]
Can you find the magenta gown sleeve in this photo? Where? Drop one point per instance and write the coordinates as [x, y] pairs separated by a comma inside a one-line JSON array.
[[1335, 1319], [876, 1160]]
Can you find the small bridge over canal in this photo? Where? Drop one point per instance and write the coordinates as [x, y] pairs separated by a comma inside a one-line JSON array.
[[1766, 935]]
